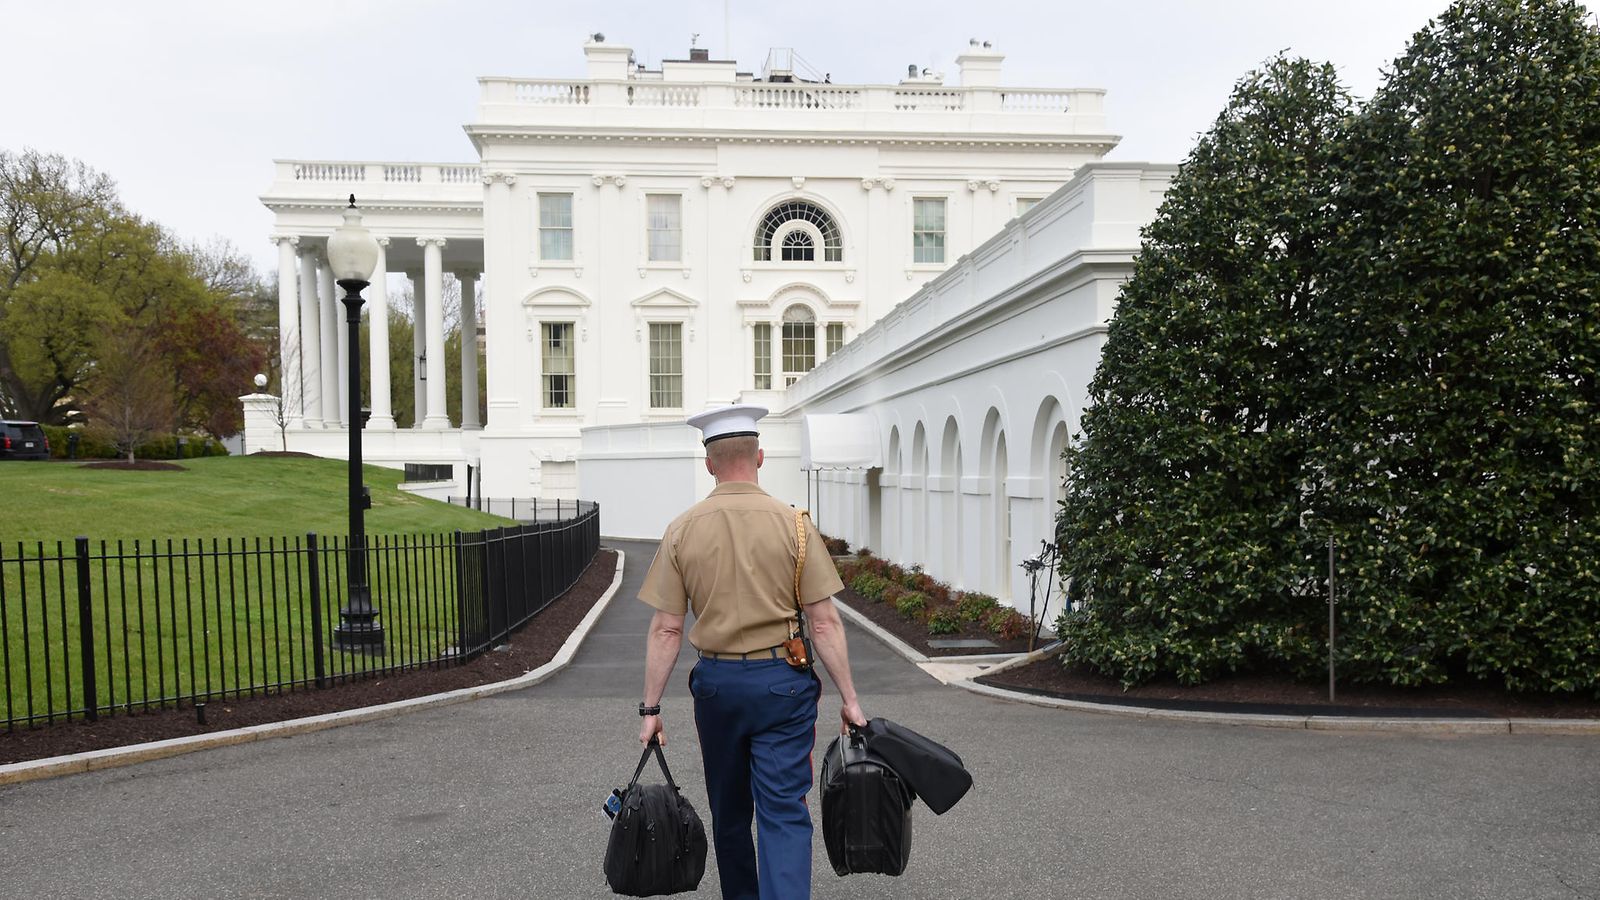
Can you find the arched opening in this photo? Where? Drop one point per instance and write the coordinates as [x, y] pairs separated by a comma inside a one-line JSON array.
[[1002, 521], [950, 506], [919, 497], [893, 537], [776, 229], [875, 510]]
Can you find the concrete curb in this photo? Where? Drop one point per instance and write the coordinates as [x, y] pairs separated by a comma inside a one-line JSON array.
[[884, 637], [1309, 723], [112, 757]]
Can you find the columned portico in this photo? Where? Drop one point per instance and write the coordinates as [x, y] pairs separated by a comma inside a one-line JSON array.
[[469, 350], [378, 332], [437, 417], [310, 339]]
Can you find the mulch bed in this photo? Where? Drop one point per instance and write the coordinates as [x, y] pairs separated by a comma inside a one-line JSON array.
[[138, 465], [1257, 693], [916, 634], [530, 648]]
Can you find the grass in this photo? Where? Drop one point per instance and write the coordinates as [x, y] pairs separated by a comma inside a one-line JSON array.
[[170, 622], [222, 496]]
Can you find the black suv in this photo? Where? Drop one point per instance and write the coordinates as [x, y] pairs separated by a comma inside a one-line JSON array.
[[23, 440]]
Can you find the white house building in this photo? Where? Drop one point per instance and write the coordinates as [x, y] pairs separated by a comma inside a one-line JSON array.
[[940, 258]]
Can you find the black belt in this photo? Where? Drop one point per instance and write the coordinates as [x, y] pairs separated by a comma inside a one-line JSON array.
[[764, 653]]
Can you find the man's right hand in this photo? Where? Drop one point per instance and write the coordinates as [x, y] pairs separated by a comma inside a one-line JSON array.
[[850, 714]]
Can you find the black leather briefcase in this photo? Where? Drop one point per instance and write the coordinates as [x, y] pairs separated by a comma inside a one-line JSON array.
[[866, 811]]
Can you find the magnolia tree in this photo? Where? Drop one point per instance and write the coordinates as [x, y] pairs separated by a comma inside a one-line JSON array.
[[1374, 326]]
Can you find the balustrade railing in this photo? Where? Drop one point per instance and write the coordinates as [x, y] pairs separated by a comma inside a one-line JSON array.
[[390, 173], [664, 95], [798, 96], [331, 171], [555, 93], [1038, 101], [926, 99]]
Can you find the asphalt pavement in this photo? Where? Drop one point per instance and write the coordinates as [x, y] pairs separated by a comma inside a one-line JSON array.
[[501, 798]]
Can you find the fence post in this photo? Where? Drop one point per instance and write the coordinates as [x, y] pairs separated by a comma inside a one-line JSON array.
[[314, 572], [91, 700]]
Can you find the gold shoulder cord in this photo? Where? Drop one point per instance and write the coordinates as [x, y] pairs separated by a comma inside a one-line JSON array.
[[800, 559]]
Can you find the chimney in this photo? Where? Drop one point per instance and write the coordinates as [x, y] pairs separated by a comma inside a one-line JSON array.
[[699, 54], [980, 64], [607, 62]]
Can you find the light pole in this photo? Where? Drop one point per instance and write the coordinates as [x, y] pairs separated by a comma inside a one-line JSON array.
[[353, 254]]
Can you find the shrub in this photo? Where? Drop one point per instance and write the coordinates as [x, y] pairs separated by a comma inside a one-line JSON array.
[[869, 586], [943, 621], [973, 606], [836, 546], [892, 592], [863, 552], [1006, 622], [912, 605]]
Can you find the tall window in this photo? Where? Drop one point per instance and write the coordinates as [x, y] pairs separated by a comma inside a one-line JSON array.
[[665, 225], [799, 343], [763, 355], [556, 356], [666, 365], [555, 226], [835, 337], [1026, 203], [927, 229], [792, 211]]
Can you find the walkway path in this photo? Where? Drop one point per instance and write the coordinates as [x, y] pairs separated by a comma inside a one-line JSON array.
[[500, 798]]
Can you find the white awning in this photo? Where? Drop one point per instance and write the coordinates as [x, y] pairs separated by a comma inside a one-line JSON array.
[[840, 441]]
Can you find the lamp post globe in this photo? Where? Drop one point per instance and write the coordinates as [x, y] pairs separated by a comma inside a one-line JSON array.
[[352, 255], [261, 381]]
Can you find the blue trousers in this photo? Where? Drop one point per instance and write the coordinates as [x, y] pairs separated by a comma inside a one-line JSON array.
[[758, 725]]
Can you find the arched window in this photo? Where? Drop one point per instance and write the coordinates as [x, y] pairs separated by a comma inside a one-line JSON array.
[[798, 246], [799, 342], [806, 213]]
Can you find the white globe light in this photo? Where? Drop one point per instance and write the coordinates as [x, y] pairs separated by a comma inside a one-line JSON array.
[[261, 380], [352, 250]]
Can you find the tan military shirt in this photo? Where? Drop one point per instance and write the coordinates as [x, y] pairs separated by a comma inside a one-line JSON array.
[[731, 558]]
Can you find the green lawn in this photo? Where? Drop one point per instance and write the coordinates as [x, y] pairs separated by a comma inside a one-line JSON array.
[[180, 619], [223, 496]]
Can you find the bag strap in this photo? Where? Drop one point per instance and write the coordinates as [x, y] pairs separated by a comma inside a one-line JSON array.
[[799, 569], [653, 746]]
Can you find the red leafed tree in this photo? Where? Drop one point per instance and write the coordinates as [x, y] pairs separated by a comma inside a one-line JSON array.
[[212, 362]]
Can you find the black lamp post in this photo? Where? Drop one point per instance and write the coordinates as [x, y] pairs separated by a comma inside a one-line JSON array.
[[353, 254]]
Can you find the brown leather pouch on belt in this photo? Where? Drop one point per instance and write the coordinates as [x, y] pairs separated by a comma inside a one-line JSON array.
[[798, 646]]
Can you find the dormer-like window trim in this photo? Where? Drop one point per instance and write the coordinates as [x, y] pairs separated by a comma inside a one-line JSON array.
[[778, 228]]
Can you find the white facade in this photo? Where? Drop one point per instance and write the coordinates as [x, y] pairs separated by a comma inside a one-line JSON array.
[[645, 240]]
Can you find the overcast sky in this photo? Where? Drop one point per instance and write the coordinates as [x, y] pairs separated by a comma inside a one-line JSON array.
[[186, 102]]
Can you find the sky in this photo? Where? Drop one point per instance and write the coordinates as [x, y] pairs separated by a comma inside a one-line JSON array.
[[187, 102]]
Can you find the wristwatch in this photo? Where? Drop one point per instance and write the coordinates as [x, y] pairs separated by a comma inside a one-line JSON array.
[[649, 710]]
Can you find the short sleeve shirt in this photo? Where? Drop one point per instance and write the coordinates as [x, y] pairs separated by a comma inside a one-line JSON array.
[[731, 558]]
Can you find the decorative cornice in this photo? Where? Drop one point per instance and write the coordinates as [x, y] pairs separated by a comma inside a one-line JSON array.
[[1095, 142]]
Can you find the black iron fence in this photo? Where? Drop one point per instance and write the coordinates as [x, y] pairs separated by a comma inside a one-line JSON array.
[[95, 628], [526, 509]]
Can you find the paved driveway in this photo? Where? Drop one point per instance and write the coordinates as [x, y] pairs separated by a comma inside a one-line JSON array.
[[500, 798]]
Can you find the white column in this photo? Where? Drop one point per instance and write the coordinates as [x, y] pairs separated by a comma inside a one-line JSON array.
[[289, 391], [777, 352], [310, 340], [469, 350], [438, 417], [419, 351], [332, 396], [509, 379], [378, 331]]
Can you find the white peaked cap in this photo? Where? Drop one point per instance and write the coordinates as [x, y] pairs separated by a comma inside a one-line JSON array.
[[727, 421]]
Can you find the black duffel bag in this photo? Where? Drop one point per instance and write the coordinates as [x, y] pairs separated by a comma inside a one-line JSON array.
[[657, 843], [866, 810]]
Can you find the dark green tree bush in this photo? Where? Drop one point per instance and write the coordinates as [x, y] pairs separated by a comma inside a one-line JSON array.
[[1463, 341], [1182, 512]]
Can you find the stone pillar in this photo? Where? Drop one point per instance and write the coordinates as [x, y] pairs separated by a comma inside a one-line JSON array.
[[510, 380], [378, 331], [419, 351], [289, 390], [469, 350], [777, 352], [438, 417], [332, 396], [310, 340]]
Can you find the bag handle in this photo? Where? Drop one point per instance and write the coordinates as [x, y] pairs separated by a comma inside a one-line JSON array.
[[653, 746]]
